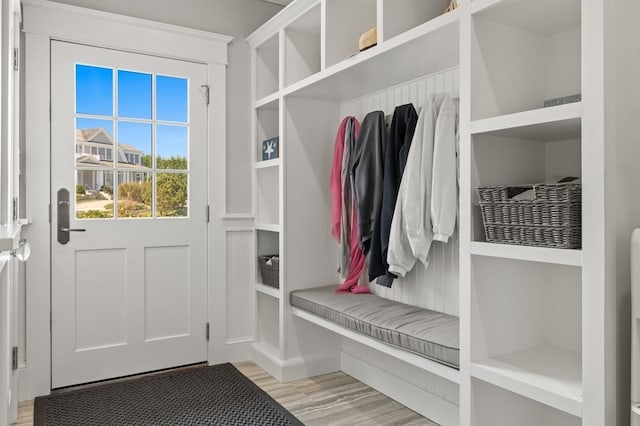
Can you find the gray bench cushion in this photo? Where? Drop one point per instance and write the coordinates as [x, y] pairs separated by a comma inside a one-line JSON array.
[[431, 334]]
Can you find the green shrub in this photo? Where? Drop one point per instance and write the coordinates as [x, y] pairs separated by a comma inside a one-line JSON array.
[[94, 214], [107, 189], [171, 193], [80, 189], [132, 209], [147, 193], [131, 191]]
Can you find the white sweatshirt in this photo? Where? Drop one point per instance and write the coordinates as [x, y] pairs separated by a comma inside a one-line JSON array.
[[444, 201], [424, 208]]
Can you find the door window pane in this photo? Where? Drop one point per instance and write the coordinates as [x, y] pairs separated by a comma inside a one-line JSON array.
[[134, 144], [94, 194], [93, 137], [94, 90], [135, 192], [171, 147], [172, 191], [171, 99], [134, 95]]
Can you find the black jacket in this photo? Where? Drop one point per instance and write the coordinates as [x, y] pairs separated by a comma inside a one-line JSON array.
[[403, 126]]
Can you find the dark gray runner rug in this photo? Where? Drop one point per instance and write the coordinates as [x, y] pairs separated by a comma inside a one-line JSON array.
[[217, 395]]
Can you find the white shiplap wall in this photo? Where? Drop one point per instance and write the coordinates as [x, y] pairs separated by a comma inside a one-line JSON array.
[[406, 372], [437, 287], [239, 285]]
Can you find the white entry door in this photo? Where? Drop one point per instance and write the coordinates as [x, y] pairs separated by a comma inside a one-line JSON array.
[[128, 213]]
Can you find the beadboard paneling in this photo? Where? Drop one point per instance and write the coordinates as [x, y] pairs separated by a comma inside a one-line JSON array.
[[239, 284], [437, 287], [414, 375]]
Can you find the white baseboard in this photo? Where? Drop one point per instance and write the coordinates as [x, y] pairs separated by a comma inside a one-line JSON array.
[[238, 349], [24, 393], [419, 400], [267, 362], [295, 368], [310, 366]]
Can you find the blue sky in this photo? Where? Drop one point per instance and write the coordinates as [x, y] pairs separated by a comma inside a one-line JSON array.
[[94, 96]]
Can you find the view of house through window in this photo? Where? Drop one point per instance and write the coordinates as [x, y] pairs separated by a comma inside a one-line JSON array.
[[132, 143]]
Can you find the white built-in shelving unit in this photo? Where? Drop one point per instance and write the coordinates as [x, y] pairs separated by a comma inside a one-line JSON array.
[[529, 353], [525, 316]]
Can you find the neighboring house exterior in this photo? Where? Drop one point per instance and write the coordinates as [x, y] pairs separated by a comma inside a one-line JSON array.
[[95, 154]]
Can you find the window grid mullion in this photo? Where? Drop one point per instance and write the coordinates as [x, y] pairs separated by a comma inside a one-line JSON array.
[[154, 112], [116, 146]]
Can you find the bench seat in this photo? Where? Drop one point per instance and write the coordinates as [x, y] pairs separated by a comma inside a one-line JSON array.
[[430, 334]]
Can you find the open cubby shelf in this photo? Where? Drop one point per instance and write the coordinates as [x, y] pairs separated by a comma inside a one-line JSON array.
[[495, 406], [269, 291], [524, 53], [267, 206], [302, 43], [555, 123], [267, 64], [266, 164], [544, 373], [532, 254], [267, 333]]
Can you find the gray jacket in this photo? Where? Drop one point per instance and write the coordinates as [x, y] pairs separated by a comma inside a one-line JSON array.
[[367, 172]]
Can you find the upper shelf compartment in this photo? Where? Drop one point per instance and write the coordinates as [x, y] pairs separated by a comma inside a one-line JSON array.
[[267, 131], [419, 50], [302, 45], [399, 16], [523, 54], [267, 68], [345, 22]]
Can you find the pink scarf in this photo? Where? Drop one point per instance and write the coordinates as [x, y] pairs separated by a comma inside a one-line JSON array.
[[335, 181], [357, 259]]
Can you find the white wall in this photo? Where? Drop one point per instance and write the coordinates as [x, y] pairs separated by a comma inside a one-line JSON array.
[[622, 104], [237, 18]]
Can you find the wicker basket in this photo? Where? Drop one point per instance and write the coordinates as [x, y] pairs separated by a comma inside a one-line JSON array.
[[270, 273], [552, 219]]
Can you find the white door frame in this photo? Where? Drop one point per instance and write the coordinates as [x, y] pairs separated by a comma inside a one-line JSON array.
[[45, 21]]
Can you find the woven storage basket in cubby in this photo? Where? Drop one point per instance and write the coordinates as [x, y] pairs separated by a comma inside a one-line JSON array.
[[270, 273], [552, 219]]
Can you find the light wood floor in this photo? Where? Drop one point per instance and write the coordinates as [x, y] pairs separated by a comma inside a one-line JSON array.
[[332, 399]]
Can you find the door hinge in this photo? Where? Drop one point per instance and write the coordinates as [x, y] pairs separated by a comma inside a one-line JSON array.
[[49, 213], [208, 213], [16, 58], [15, 209], [14, 358], [207, 331], [206, 93]]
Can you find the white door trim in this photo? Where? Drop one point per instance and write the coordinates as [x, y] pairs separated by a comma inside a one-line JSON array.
[[103, 29], [43, 22]]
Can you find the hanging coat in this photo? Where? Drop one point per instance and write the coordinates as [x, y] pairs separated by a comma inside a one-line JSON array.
[[444, 202], [367, 169], [395, 158]]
